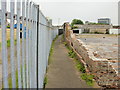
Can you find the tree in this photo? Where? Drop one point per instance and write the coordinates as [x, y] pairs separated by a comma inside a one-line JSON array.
[[76, 21]]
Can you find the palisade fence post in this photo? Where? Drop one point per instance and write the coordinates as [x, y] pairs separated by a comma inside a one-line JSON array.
[[29, 45], [18, 44], [40, 53], [39, 58], [12, 44], [37, 49], [27, 65], [32, 48], [4, 45], [42, 48], [33, 42], [23, 44], [47, 43], [35, 35], [35, 46], [44, 45]]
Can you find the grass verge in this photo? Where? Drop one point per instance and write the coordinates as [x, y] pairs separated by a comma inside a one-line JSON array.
[[51, 50], [49, 61]]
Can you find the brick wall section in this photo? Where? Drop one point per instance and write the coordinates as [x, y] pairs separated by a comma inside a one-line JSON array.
[[105, 74]]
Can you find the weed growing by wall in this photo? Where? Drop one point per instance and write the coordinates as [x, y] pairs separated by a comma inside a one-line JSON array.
[[87, 77]]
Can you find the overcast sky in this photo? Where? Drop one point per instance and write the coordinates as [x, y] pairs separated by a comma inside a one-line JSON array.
[[61, 11]]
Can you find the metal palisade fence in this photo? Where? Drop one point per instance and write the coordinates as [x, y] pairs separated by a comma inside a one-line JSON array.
[[29, 56]]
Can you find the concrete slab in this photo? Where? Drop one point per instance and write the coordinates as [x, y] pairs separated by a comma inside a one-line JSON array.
[[104, 46]]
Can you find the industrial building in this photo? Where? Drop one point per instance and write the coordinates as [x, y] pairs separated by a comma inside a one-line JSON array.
[[104, 21]]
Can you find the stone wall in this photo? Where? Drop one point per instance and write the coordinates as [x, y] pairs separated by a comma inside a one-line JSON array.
[[105, 74]]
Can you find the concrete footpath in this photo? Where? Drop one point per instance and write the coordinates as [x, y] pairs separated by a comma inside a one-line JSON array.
[[61, 71]]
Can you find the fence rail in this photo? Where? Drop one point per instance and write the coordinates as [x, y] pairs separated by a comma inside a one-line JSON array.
[[28, 66]]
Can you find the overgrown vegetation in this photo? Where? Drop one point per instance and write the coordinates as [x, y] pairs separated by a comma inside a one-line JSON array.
[[45, 81], [80, 66], [49, 61], [87, 77], [71, 53], [51, 50]]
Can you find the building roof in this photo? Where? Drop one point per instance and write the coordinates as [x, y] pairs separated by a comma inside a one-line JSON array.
[[104, 18]]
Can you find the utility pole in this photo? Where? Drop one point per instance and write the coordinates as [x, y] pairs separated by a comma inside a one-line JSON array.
[[58, 21]]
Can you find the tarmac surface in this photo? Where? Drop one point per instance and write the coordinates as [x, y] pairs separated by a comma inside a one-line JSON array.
[[61, 71]]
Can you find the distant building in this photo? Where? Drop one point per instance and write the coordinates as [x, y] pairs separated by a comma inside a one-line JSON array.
[[104, 21], [94, 28], [115, 30]]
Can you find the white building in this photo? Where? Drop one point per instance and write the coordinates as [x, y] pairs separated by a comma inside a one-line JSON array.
[[114, 31]]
